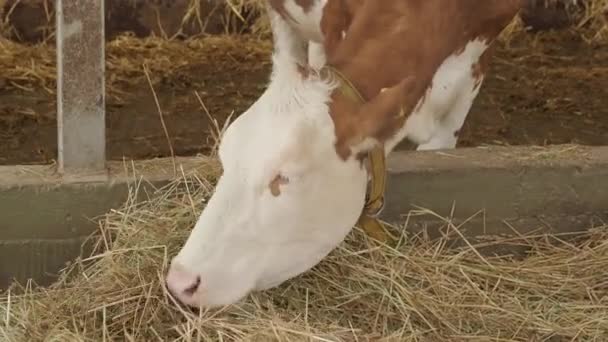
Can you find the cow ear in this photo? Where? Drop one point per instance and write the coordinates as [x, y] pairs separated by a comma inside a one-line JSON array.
[[381, 117]]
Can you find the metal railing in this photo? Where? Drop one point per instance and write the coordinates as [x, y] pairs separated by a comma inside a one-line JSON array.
[[81, 126]]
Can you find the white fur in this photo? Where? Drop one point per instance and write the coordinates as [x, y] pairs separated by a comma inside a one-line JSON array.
[[433, 123], [246, 239], [316, 55], [307, 24]]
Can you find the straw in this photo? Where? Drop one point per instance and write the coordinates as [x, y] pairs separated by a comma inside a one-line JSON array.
[[32, 67], [416, 290]]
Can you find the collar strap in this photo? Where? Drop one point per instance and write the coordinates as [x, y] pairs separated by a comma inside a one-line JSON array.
[[374, 201]]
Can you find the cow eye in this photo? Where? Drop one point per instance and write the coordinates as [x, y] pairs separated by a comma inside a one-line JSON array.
[[275, 184]]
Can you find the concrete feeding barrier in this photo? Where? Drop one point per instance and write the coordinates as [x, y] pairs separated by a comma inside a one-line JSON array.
[[496, 190]]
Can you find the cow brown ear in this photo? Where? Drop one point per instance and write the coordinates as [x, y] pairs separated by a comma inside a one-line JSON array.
[[381, 117]]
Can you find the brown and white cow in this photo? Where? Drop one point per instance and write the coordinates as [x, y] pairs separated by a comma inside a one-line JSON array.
[[294, 182]]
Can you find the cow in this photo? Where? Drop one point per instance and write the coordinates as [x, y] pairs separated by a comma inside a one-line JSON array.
[[350, 79]]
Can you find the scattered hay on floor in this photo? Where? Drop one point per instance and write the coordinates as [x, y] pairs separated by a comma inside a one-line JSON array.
[[417, 291], [32, 67], [595, 19], [27, 67], [588, 18]]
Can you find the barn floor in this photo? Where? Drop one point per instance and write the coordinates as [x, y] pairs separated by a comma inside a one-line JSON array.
[[551, 88]]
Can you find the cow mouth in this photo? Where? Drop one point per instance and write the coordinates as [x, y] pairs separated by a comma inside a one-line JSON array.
[[183, 306]]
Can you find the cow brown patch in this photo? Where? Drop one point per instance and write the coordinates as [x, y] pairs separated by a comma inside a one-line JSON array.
[[275, 184], [399, 45]]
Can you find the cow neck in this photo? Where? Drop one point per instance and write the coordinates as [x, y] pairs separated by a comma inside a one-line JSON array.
[[376, 165]]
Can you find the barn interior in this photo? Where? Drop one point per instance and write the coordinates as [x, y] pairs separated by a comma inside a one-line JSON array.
[[178, 71]]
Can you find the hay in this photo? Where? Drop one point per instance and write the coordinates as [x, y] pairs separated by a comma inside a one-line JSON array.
[[252, 12], [595, 20], [590, 13], [589, 18], [32, 68], [418, 290], [238, 16]]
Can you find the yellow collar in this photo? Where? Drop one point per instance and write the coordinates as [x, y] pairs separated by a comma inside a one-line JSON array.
[[374, 201]]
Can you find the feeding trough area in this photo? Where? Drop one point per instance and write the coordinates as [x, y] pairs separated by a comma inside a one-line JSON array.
[[109, 127]]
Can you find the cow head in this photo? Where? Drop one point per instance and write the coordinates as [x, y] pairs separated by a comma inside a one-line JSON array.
[[285, 199], [293, 182]]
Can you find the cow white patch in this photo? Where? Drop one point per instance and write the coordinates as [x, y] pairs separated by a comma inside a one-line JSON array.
[[307, 23], [446, 104], [316, 55]]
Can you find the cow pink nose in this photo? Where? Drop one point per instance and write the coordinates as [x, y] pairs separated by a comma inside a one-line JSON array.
[[182, 283]]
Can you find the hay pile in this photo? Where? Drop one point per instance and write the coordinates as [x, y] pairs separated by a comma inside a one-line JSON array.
[[417, 291], [587, 18], [590, 17], [595, 20], [233, 16], [32, 68]]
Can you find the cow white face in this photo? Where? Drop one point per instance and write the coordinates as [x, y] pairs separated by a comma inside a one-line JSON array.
[[284, 201]]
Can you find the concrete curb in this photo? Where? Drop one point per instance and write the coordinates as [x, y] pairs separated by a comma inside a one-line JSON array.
[[556, 189], [501, 190]]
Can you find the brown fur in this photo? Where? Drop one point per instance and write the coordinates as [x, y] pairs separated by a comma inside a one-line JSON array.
[[275, 185], [398, 45]]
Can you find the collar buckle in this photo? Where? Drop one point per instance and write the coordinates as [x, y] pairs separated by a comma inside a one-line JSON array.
[[374, 199]]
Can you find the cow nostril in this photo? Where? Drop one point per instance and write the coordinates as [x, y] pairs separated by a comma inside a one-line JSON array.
[[192, 289], [181, 283]]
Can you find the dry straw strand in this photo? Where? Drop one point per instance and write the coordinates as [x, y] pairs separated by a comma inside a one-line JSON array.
[[417, 290]]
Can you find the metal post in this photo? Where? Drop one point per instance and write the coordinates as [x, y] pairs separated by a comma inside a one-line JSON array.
[[80, 85]]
